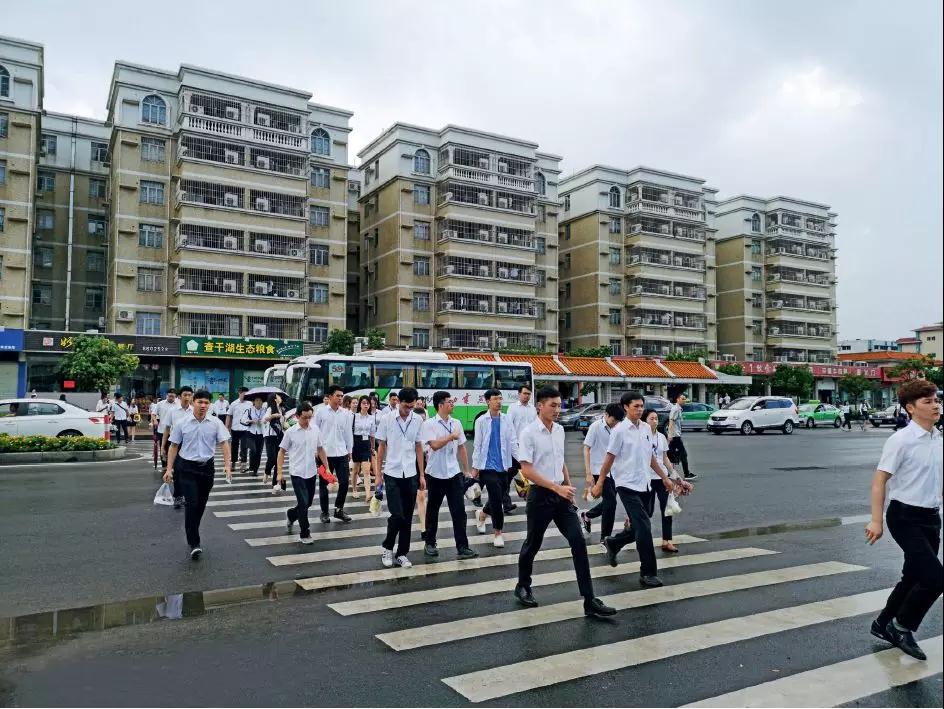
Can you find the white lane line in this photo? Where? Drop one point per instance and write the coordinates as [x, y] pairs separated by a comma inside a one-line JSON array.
[[528, 618], [840, 683], [223, 490], [505, 680], [280, 522], [287, 502], [447, 593]]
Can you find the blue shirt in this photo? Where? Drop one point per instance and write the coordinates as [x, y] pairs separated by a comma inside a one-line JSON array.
[[493, 460]]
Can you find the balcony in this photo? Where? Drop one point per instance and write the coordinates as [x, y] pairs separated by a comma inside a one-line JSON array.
[[651, 348], [238, 155], [276, 328], [227, 196], [788, 224], [198, 236], [790, 329], [471, 232], [234, 118], [801, 277], [655, 318], [790, 356], [664, 202], [475, 165], [666, 229], [456, 338], [811, 305], [462, 267], [665, 259], [797, 250], [457, 193], [521, 184], [480, 304], [666, 289], [236, 283]]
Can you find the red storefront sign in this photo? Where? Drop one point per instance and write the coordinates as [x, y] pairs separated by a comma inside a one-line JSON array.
[[820, 371]]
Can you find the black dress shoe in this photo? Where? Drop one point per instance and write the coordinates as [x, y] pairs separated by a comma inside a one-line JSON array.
[[466, 553], [343, 516], [904, 640], [596, 607], [511, 508], [878, 630], [586, 522], [524, 596], [610, 553], [650, 581], [430, 550]]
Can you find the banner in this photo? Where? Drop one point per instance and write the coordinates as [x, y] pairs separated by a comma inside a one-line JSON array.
[[239, 347]]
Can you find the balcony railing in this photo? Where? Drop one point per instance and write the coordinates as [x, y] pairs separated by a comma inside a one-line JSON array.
[[665, 289], [455, 338], [474, 268], [666, 259], [798, 251], [650, 318], [666, 229], [454, 192], [480, 304], [235, 283], [800, 277], [503, 181], [456, 230], [664, 210], [256, 134], [199, 236], [236, 155]]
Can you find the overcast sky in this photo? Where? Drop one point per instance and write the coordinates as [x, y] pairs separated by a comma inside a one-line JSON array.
[[836, 102]]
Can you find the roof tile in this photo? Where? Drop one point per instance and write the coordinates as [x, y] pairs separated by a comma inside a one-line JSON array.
[[589, 366], [640, 368], [542, 364], [689, 370], [488, 356]]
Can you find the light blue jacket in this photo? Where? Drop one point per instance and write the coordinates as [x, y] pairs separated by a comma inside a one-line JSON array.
[[483, 432]]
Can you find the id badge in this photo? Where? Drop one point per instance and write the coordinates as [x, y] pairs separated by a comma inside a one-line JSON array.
[[365, 437]]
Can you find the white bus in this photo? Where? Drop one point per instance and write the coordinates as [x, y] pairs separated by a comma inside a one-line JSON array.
[[308, 378], [275, 376]]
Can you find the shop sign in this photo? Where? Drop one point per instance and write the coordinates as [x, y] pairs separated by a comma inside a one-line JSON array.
[[43, 341], [818, 370], [11, 340], [240, 347]]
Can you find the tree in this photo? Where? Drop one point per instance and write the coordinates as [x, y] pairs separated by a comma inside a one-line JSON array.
[[732, 390], [601, 351], [792, 381], [96, 363], [855, 385], [691, 356], [340, 342], [376, 338], [914, 367]]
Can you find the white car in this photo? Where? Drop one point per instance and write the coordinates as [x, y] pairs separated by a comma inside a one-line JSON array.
[[48, 417], [756, 413]]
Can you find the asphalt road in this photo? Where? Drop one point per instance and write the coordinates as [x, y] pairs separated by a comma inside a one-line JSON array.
[[87, 559]]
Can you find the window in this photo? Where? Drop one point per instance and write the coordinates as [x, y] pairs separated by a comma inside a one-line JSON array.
[[320, 145], [421, 194], [1, 260], [542, 213], [755, 223], [42, 295], [45, 219], [474, 377], [540, 245], [97, 226], [435, 376], [4, 125], [94, 298], [421, 162], [420, 337], [542, 184], [43, 257], [97, 188], [757, 300], [390, 376], [349, 375], [566, 261], [3, 171], [154, 110], [151, 236], [95, 261], [150, 280], [567, 204], [148, 324], [317, 332], [99, 152], [757, 273], [3, 217], [615, 286], [45, 181], [4, 82], [567, 232], [152, 192], [567, 291], [616, 347], [616, 316], [319, 216], [615, 255], [616, 225], [421, 265], [615, 198], [153, 149], [421, 301], [510, 378], [48, 144], [321, 177], [567, 321], [318, 255], [421, 231], [756, 246], [541, 277], [318, 293]]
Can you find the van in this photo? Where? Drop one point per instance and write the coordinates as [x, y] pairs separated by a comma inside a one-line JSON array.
[[751, 414]]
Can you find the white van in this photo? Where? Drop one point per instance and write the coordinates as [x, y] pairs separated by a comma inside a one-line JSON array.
[[756, 413]]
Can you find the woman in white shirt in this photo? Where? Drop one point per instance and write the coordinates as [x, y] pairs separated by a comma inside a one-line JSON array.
[[134, 416], [273, 431], [364, 427], [660, 449]]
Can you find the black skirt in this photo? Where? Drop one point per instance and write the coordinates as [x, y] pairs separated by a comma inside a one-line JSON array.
[[361, 451]]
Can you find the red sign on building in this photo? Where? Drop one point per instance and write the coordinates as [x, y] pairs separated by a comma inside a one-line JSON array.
[[820, 371]]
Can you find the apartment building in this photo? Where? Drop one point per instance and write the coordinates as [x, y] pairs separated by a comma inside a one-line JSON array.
[[776, 280], [228, 202], [459, 243], [637, 262], [21, 103], [356, 319]]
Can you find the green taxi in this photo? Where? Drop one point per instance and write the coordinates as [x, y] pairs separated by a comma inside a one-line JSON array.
[[812, 415], [695, 415]]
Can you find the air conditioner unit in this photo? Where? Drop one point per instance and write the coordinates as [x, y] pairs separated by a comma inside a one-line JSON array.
[[296, 253], [637, 351], [501, 341], [445, 342], [261, 246], [780, 359], [483, 306], [502, 272], [231, 156], [485, 234], [775, 331], [665, 351], [447, 197], [450, 233], [502, 166], [776, 276], [664, 229], [229, 285], [292, 293], [483, 271], [678, 290], [262, 204], [196, 108], [232, 113], [502, 237], [483, 198], [502, 307], [260, 288], [231, 199], [634, 259], [125, 315], [667, 319], [259, 330], [664, 290], [448, 305], [637, 321], [263, 119], [677, 260], [637, 289], [727, 357], [636, 229], [503, 202], [678, 200], [181, 283], [231, 243], [777, 304], [450, 269], [663, 258], [483, 162], [483, 342]]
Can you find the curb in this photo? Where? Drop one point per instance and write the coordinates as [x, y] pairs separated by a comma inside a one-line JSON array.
[[62, 456]]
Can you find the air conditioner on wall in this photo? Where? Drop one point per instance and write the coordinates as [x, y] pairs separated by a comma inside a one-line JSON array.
[[503, 202], [448, 305], [776, 304], [449, 233], [502, 307], [261, 246], [125, 315], [231, 199], [229, 285], [483, 162], [775, 331], [445, 342], [296, 253], [637, 289], [501, 342], [483, 342], [292, 293], [483, 306], [483, 271], [483, 198], [196, 108], [181, 283], [637, 351], [502, 166], [232, 113], [259, 330], [231, 156], [502, 237], [637, 321], [262, 162], [636, 229], [230, 243], [484, 234], [665, 351], [263, 119], [447, 197], [450, 269], [502, 272], [262, 204], [260, 288], [664, 229]]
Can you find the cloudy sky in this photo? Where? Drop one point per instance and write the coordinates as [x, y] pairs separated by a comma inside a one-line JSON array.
[[837, 102]]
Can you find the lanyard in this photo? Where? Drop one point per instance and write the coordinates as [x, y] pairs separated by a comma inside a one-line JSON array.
[[448, 428], [402, 429]]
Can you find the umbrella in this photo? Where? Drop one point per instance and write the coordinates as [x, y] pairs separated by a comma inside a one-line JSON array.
[[264, 392]]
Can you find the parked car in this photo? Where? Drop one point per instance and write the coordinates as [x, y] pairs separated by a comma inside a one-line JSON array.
[[48, 417], [588, 416], [657, 403], [695, 415], [812, 415], [756, 413], [883, 416], [568, 418]]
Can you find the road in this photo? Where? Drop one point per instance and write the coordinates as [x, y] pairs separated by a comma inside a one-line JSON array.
[[771, 596]]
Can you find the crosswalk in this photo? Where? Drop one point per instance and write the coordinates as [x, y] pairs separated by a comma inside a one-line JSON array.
[[448, 605]]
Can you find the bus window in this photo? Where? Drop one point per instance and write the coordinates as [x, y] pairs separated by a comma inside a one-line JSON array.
[[475, 377], [436, 376], [350, 376], [393, 376], [313, 385], [510, 378]]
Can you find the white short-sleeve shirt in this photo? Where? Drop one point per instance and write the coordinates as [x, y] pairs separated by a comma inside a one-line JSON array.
[[913, 457], [301, 446], [630, 445], [236, 410], [336, 430], [597, 440], [401, 436], [198, 439], [164, 411], [442, 464], [544, 449], [660, 446]]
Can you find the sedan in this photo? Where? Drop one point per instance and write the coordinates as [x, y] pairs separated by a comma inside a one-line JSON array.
[[883, 416], [695, 415], [812, 415], [568, 418], [48, 417]]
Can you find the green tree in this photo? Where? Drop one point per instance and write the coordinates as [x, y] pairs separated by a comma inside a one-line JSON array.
[[855, 385], [96, 363], [732, 390], [792, 381], [601, 351], [340, 342], [692, 356], [913, 367], [376, 338]]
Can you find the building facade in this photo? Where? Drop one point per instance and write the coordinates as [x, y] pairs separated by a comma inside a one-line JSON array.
[[931, 340], [459, 239], [776, 280], [860, 345], [637, 262]]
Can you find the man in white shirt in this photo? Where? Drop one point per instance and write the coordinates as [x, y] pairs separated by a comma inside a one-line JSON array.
[[103, 406], [911, 471], [162, 419], [303, 446], [119, 412], [220, 407], [494, 445], [253, 434], [673, 434], [173, 418], [629, 455], [193, 442], [337, 432], [594, 451], [846, 415], [551, 498], [444, 437], [401, 448], [234, 417], [520, 413]]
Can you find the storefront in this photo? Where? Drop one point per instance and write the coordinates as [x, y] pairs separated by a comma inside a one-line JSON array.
[[826, 379], [12, 364], [223, 364]]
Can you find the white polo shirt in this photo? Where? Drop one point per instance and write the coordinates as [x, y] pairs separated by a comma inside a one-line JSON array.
[[236, 410], [630, 444], [401, 436], [597, 440], [164, 410], [198, 439], [442, 464], [301, 446], [913, 457], [544, 449], [337, 430]]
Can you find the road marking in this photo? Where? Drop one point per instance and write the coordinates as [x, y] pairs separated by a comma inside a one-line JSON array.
[[837, 684], [313, 511], [528, 618], [289, 502], [505, 680]]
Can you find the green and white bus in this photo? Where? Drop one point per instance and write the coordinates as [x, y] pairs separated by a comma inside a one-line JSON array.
[[308, 378]]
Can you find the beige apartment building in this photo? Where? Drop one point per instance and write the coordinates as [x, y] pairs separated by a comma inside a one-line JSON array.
[[776, 280], [637, 262], [459, 239]]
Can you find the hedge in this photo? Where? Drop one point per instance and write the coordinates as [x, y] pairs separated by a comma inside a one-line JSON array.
[[44, 444]]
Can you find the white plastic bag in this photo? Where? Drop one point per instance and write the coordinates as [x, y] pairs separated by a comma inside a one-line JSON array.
[[164, 495], [474, 491], [672, 507]]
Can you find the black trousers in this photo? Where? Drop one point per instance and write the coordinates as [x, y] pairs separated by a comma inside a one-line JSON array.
[[451, 490], [847, 421], [401, 499], [678, 454], [121, 428], [255, 443], [544, 507], [494, 482], [272, 452], [195, 480], [341, 467], [304, 495], [606, 509], [637, 507], [506, 490], [659, 491], [240, 447], [917, 530]]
